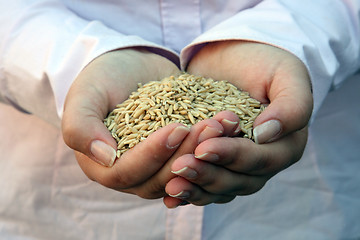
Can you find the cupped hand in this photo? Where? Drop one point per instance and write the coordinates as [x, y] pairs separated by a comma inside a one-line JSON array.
[[105, 82], [145, 169], [270, 74], [225, 167]]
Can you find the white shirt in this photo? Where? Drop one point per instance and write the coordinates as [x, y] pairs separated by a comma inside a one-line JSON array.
[[45, 44]]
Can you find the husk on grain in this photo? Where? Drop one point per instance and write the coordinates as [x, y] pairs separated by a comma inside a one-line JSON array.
[[186, 99]]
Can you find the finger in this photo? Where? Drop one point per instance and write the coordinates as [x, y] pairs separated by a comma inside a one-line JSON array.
[[291, 103], [105, 82], [82, 125], [216, 179], [244, 156], [140, 163], [183, 190], [139, 168], [199, 132], [171, 202], [230, 122]]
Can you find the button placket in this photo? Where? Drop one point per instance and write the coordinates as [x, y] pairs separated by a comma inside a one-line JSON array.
[[181, 22]]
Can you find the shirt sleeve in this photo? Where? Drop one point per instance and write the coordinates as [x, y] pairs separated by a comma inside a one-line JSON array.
[[44, 46], [323, 34]]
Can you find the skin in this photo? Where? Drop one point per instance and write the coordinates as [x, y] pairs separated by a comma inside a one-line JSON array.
[[105, 82], [274, 77], [145, 170]]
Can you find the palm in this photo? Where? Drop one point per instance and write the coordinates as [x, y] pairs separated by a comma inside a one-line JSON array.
[[272, 76], [269, 74]]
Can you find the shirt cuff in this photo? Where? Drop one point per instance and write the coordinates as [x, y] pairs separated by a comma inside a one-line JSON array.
[[283, 24], [94, 41]]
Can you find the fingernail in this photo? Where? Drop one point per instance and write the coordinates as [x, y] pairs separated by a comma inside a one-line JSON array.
[[104, 153], [209, 132], [177, 136], [267, 131], [186, 172], [229, 125], [237, 130], [181, 195], [211, 157]]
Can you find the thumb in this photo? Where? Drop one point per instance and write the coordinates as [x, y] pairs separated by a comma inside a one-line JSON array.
[[290, 107], [82, 124], [105, 82]]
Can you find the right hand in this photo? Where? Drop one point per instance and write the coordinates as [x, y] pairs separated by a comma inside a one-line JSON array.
[[105, 82], [146, 169]]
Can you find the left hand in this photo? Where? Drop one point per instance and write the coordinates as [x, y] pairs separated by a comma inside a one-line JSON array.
[[224, 167]]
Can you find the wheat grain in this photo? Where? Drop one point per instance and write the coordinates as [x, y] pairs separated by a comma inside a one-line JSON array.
[[186, 99]]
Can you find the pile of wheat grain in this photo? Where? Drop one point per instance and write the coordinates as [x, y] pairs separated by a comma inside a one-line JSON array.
[[186, 99]]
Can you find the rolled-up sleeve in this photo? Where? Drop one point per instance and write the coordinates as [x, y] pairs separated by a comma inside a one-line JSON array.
[[323, 34]]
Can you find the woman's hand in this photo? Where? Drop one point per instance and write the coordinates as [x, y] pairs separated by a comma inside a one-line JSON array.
[[104, 83], [222, 168]]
